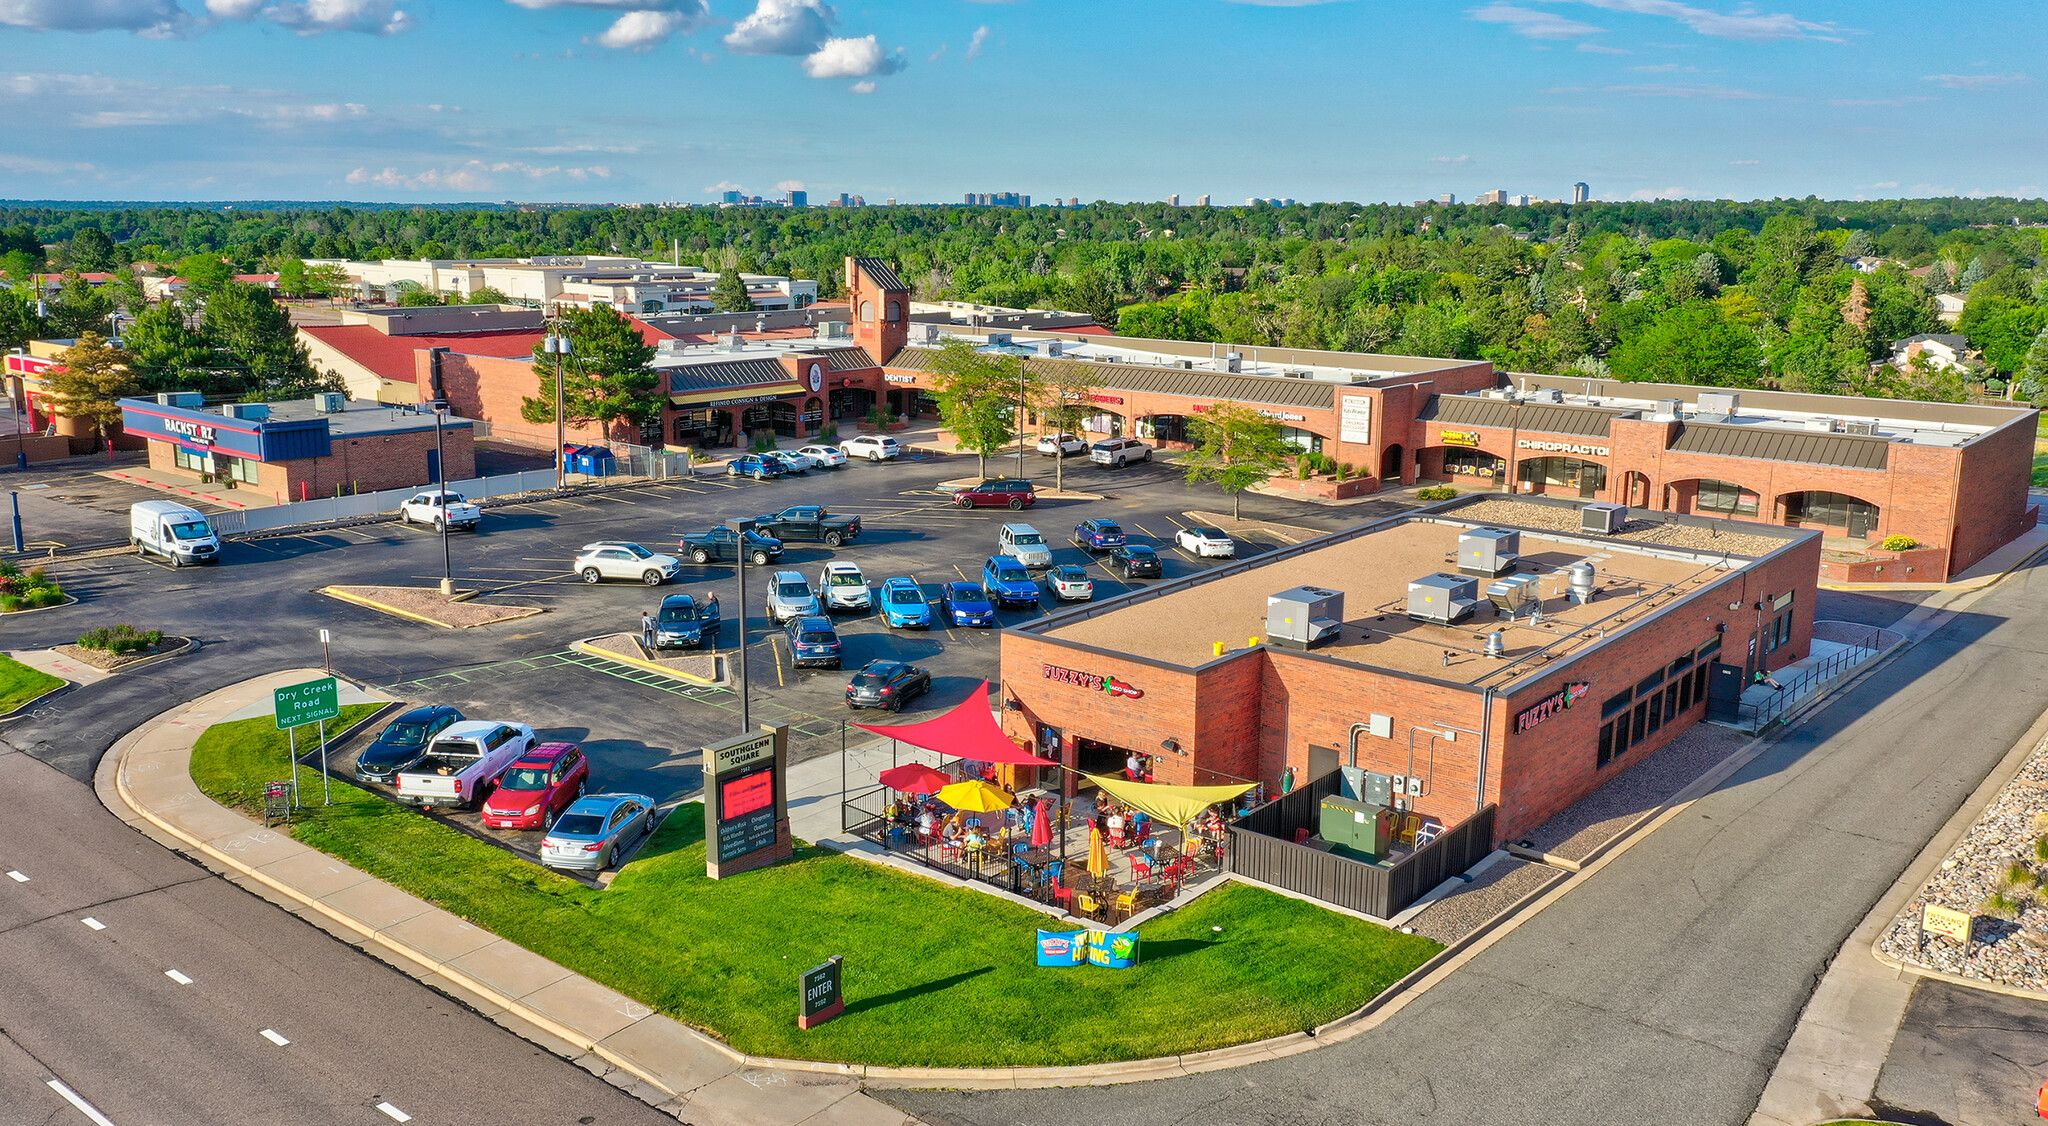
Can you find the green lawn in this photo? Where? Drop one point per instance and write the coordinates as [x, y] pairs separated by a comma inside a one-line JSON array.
[[19, 684], [935, 976], [2040, 467]]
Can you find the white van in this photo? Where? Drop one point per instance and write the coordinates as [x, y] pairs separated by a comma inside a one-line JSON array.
[[1024, 542], [177, 532]]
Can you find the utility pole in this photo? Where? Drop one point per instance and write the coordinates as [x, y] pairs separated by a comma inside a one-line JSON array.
[[1019, 428], [558, 345], [441, 472]]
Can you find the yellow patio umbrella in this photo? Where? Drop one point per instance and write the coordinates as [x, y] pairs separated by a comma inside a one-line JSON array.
[[976, 796], [1098, 856]]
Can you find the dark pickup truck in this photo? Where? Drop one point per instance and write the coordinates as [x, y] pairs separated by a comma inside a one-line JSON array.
[[809, 522], [722, 545]]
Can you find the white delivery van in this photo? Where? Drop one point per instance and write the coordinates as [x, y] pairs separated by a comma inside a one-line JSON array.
[[177, 532]]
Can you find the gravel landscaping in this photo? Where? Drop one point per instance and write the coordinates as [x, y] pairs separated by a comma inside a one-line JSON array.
[[1545, 518], [430, 604], [2012, 950], [1580, 831], [1505, 883]]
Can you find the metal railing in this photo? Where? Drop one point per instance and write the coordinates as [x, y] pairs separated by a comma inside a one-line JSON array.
[[1866, 643]]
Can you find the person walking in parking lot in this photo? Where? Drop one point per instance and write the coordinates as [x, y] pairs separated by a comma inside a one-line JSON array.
[[647, 630]]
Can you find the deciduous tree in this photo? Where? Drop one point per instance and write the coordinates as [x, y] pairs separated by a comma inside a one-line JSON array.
[[1236, 447], [978, 396], [94, 377]]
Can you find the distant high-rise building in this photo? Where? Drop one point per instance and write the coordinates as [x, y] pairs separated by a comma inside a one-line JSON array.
[[1520, 200], [798, 198], [1447, 199], [891, 201], [1173, 200], [1581, 193], [1497, 195], [1202, 200], [731, 196], [1073, 201], [998, 199]]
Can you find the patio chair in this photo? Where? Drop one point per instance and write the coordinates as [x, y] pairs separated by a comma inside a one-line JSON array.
[[898, 837], [1141, 869], [949, 850], [1301, 836], [1126, 905], [1086, 904], [1053, 870], [1061, 897]]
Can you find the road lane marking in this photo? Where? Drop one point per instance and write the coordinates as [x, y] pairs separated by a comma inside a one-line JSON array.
[[394, 1112], [174, 975], [70, 1096], [17, 877], [274, 1038], [1170, 516], [93, 923]]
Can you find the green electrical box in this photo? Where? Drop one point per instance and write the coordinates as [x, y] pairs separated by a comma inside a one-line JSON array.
[[1356, 828]]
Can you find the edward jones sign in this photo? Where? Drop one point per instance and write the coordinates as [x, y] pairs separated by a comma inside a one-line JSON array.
[[1552, 704]]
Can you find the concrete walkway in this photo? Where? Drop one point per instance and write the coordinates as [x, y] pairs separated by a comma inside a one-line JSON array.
[[146, 780], [60, 666]]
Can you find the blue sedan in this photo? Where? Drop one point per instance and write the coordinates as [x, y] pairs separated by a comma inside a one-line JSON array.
[[904, 605], [966, 604], [593, 831]]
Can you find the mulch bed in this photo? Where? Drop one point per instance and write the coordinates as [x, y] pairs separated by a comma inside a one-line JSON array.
[[113, 662], [703, 665], [429, 603]]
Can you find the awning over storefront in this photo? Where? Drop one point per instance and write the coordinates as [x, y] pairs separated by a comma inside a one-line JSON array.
[[969, 731], [736, 396], [1174, 805]]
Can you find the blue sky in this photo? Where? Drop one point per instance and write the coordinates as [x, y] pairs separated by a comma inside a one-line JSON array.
[[649, 100]]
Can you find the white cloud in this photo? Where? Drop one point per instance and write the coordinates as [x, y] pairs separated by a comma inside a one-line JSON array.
[[311, 17], [935, 56], [1743, 23], [853, 58], [975, 43], [234, 9], [862, 88], [790, 186], [644, 29], [685, 6], [725, 186], [1886, 184], [1661, 90], [1597, 49], [782, 27], [1450, 160], [1664, 193], [471, 176], [1975, 81], [40, 167], [1742, 163], [1665, 68], [1532, 22], [156, 18]]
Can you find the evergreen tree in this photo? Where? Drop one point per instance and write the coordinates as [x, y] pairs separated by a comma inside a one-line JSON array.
[[1971, 275], [80, 308], [2034, 372], [90, 251], [1858, 245], [1707, 267], [255, 335], [166, 355], [19, 322], [729, 294], [607, 379]]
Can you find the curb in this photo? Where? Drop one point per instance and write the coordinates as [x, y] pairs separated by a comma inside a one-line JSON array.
[[32, 704], [191, 645], [585, 647], [69, 600]]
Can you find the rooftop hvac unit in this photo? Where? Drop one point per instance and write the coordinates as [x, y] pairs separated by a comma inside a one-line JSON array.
[[731, 342], [1822, 425], [331, 402], [1293, 374], [1184, 365], [1488, 551], [998, 340], [1443, 599], [1547, 395], [1581, 581], [1719, 402], [1866, 427], [1233, 362], [190, 400], [1051, 347], [250, 412], [1603, 519], [1514, 594], [924, 332], [831, 330], [1304, 617], [1667, 410]]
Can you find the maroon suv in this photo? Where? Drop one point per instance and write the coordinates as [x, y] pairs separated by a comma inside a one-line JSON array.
[[1005, 492]]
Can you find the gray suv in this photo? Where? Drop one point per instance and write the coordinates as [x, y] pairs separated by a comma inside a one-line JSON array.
[[789, 597]]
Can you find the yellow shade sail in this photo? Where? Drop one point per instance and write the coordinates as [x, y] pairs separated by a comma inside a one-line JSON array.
[[1175, 805]]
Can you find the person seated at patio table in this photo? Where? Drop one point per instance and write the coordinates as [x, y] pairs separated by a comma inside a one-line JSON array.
[[926, 822], [973, 837], [1115, 824]]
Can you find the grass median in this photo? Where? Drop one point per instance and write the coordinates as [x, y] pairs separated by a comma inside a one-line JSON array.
[[934, 976], [19, 684]]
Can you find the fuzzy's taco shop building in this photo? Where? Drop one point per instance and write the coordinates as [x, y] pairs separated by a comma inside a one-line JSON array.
[[1479, 661]]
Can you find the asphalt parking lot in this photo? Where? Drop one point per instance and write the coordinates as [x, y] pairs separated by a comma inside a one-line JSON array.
[[643, 732]]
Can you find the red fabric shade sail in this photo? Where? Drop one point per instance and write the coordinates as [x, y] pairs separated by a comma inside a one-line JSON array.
[[969, 731]]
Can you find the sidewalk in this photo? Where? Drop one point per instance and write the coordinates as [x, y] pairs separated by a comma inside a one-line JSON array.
[[145, 779]]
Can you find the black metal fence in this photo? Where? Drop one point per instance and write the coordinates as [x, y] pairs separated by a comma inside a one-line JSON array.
[[1262, 848]]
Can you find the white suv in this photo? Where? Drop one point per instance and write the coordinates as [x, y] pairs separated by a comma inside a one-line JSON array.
[[617, 559], [874, 447], [844, 587], [1119, 452], [1023, 542], [1061, 445]]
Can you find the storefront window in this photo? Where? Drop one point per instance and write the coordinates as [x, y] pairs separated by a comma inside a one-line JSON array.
[[186, 459], [240, 469], [1838, 510], [1307, 441], [1164, 428], [1548, 473], [1472, 463], [1726, 498]]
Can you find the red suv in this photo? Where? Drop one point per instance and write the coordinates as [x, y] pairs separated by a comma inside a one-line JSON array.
[[1011, 492], [537, 788]]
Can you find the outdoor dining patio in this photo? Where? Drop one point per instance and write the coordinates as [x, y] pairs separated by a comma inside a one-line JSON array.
[[1117, 848]]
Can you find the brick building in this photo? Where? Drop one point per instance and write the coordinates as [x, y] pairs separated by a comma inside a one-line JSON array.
[[1952, 477], [300, 449], [1186, 673]]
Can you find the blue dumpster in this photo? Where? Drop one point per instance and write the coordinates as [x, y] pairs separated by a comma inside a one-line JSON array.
[[596, 461]]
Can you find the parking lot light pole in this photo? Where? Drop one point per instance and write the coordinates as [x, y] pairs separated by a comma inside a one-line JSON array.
[[739, 547], [441, 472], [558, 345]]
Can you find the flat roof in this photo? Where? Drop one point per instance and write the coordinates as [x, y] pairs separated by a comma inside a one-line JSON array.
[[1300, 364], [1658, 560], [361, 419], [1946, 425]]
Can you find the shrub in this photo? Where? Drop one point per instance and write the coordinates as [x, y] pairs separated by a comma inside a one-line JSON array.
[[1899, 543], [879, 416], [122, 638], [2000, 906], [43, 596], [1343, 471], [2018, 877], [830, 433], [1437, 492], [1303, 468], [9, 603], [2041, 849]]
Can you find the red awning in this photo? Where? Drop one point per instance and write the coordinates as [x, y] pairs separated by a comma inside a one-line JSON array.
[[969, 731]]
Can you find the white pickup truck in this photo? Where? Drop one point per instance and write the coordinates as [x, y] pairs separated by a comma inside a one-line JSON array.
[[463, 763], [436, 507]]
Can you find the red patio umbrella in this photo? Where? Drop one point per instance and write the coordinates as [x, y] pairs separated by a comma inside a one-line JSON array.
[[1041, 825], [916, 778]]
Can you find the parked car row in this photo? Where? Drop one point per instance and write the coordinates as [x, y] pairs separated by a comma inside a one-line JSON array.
[[767, 465], [434, 758]]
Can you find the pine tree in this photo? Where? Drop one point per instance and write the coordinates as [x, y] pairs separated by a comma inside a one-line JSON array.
[[1971, 275], [95, 376], [729, 295], [2034, 372], [1857, 245]]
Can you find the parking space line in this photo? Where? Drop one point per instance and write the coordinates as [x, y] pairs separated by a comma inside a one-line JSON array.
[[174, 975], [272, 1036], [93, 923], [1175, 519], [91, 1112], [1143, 529], [17, 877], [394, 1112]]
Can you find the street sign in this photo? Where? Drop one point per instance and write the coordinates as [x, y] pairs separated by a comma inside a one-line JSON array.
[[306, 703], [823, 998]]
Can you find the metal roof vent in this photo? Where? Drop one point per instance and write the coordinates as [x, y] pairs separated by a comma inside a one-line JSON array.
[[1442, 599], [1720, 402], [1583, 581], [1511, 595], [1233, 362], [1496, 645], [1304, 617], [1667, 410], [1823, 425]]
